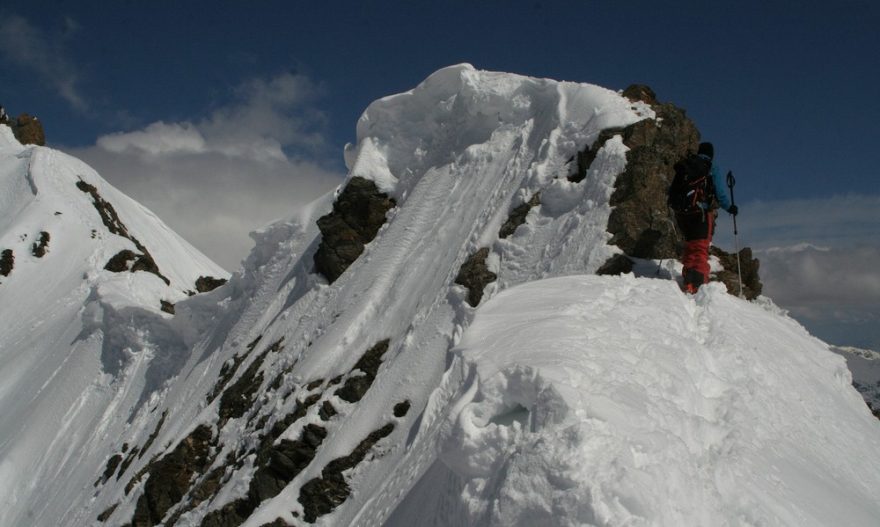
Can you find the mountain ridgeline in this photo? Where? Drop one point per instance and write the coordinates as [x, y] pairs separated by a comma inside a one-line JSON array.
[[284, 446], [323, 383]]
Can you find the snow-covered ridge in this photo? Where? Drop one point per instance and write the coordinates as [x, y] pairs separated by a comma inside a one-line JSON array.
[[381, 399], [79, 347]]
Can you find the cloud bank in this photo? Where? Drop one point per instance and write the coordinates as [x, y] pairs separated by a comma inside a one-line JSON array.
[[820, 259], [216, 179], [835, 221], [834, 292]]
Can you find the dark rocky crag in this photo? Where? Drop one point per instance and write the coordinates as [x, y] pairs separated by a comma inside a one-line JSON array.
[[27, 129], [357, 215], [41, 246], [7, 262], [124, 260], [641, 224], [475, 275], [748, 266], [208, 283]]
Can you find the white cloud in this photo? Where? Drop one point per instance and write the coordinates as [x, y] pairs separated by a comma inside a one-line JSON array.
[[820, 259], [25, 45], [809, 277], [835, 292], [157, 139], [216, 179], [836, 221]]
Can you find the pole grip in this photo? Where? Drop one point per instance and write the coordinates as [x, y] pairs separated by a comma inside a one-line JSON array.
[[731, 182]]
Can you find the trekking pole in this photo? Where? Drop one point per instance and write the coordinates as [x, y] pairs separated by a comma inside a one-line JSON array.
[[731, 181]]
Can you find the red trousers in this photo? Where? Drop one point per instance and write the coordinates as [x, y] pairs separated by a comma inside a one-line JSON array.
[[697, 229]]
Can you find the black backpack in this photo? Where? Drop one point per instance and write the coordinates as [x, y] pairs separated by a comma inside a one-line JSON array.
[[691, 185]]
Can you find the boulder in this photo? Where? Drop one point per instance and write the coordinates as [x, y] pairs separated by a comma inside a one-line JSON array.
[[748, 265], [208, 283], [29, 131]]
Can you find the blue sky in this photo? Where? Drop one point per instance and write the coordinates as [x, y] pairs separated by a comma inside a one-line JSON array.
[[788, 92]]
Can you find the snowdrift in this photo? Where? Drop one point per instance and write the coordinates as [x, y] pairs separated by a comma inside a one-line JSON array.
[[392, 394], [619, 401]]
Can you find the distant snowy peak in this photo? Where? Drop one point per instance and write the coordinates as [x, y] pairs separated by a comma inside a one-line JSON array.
[[88, 278], [59, 217]]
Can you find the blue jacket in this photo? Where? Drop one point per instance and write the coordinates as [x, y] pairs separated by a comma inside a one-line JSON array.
[[721, 191]]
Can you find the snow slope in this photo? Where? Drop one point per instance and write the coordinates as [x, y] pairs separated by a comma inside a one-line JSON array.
[[457, 153], [605, 386], [76, 357], [619, 401]]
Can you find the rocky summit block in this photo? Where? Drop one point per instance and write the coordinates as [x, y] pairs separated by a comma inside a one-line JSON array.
[[640, 222], [27, 129]]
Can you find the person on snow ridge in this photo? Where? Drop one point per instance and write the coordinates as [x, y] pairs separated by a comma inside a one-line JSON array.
[[696, 191]]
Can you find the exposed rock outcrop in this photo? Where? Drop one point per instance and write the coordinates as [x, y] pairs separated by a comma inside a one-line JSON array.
[[27, 129], [170, 477], [641, 224], [474, 275], [7, 262], [518, 215], [357, 385], [616, 265], [125, 260], [357, 215], [320, 496], [237, 399], [748, 265], [208, 283], [40, 246]]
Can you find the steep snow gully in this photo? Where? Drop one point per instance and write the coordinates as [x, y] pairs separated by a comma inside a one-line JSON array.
[[395, 396]]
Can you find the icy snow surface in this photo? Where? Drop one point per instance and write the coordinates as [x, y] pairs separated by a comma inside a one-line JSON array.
[[560, 401]]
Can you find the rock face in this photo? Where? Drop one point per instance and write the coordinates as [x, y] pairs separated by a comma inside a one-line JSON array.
[[616, 265], [748, 265], [208, 283], [124, 260], [474, 275], [518, 215], [40, 247], [641, 224], [7, 262], [27, 129], [170, 477], [357, 215]]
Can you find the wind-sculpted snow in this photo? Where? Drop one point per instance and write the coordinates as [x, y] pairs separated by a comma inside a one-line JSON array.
[[620, 401], [359, 402]]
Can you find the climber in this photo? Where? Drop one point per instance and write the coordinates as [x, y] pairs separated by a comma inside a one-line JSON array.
[[697, 190], [2, 114]]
